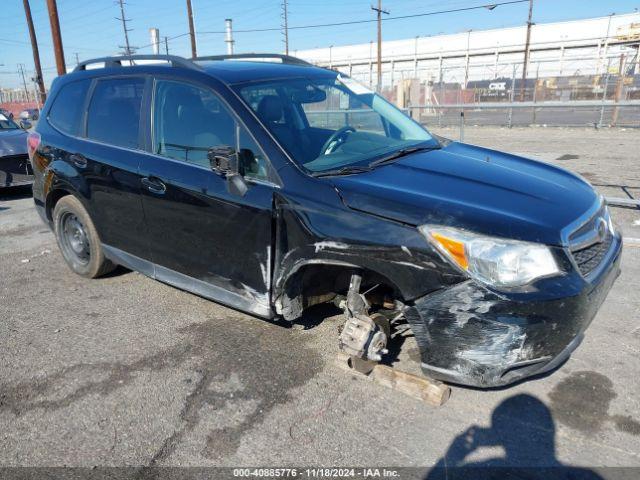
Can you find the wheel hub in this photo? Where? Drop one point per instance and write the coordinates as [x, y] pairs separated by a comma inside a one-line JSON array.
[[76, 238]]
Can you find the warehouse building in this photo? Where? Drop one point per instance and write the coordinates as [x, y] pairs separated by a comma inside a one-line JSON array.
[[590, 47]]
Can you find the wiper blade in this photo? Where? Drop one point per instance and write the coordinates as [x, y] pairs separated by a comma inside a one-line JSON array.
[[348, 170], [351, 169], [399, 154]]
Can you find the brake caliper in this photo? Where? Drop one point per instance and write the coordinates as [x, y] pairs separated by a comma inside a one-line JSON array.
[[361, 336]]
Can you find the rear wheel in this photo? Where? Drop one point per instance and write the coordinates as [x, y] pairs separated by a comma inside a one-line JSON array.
[[78, 239]]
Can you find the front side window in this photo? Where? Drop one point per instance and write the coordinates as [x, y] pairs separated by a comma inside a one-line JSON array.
[[68, 107], [189, 120], [6, 123], [326, 123], [114, 112]]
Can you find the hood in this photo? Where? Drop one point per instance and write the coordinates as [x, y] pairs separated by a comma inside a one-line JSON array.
[[13, 142], [471, 187]]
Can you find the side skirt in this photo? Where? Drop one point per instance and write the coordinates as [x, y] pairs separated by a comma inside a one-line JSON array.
[[249, 303]]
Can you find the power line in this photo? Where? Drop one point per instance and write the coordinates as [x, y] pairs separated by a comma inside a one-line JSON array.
[[169, 38], [82, 19], [386, 19], [353, 22], [17, 42]]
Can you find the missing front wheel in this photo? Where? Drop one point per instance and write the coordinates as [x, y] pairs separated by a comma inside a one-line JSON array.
[[363, 336]]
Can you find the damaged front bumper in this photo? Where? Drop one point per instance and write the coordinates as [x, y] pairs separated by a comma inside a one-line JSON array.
[[473, 336]]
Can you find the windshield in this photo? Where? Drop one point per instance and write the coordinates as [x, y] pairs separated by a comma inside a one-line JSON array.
[[6, 124], [332, 122]]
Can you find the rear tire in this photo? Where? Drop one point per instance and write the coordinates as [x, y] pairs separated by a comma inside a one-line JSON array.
[[78, 239]]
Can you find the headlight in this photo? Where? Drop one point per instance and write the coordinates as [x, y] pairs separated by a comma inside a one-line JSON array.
[[609, 220], [498, 262]]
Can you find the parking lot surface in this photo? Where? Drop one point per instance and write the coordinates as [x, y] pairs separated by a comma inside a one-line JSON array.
[[125, 370]]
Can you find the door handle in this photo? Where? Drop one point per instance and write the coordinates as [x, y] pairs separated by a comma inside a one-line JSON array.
[[78, 160], [154, 185]]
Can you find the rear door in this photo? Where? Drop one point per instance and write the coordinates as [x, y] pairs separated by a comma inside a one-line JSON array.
[[94, 147], [111, 156], [202, 237]]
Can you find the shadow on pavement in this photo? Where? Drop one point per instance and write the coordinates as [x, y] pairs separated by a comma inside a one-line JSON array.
[[523, 427]]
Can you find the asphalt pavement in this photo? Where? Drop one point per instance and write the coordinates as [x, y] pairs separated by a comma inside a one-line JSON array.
[[125, 370]]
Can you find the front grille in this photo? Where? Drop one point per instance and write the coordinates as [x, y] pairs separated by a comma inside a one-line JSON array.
[[590, 257]]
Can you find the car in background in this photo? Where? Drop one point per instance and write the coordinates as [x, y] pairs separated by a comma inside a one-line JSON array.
[[6, 113], [15, 168], [31, 114]]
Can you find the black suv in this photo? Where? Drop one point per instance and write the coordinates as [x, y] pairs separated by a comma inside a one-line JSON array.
[[271, 186]]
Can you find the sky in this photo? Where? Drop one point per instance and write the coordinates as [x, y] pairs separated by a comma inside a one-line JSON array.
[[90, 28]]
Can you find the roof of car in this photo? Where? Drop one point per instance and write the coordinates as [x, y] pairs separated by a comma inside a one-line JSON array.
[[239, 71], [227, 68]]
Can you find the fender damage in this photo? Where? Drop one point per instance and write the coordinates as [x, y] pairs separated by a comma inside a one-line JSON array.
[[318, 238], [467, 333]]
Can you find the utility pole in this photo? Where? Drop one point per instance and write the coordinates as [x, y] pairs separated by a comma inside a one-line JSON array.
[[36, 54], [124, 20], [526, 52], [166, 45], [192, 32], [56, 36], [379, 11], [285, 26], [24, 82], [77, 58]]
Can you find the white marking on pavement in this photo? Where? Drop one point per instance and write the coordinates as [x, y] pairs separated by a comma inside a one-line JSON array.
[[631, 241]]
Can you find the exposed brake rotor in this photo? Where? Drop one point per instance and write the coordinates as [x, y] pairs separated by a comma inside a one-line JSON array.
[[364, 337]]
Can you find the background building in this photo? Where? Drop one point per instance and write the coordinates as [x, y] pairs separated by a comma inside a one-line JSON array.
[[581, 47]]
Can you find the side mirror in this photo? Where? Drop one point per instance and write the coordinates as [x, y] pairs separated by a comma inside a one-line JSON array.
[[25, 124], [225, 161]]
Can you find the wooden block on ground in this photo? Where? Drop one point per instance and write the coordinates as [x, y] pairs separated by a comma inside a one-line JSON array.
[[425, 389]]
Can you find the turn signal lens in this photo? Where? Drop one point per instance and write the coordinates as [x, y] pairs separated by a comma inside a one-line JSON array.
[[454, 248]]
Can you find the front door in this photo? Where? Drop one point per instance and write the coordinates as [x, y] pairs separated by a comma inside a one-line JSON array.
[[203, 238]]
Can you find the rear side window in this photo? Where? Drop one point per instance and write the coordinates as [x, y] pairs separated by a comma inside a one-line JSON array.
[[114, 111], [68, 107]]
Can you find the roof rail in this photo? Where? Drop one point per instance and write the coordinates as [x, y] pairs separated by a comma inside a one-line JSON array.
[[288, 59], [117, 61]]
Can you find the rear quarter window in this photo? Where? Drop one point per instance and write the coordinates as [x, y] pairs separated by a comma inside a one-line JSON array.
[[114, 111], [67, 108]]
